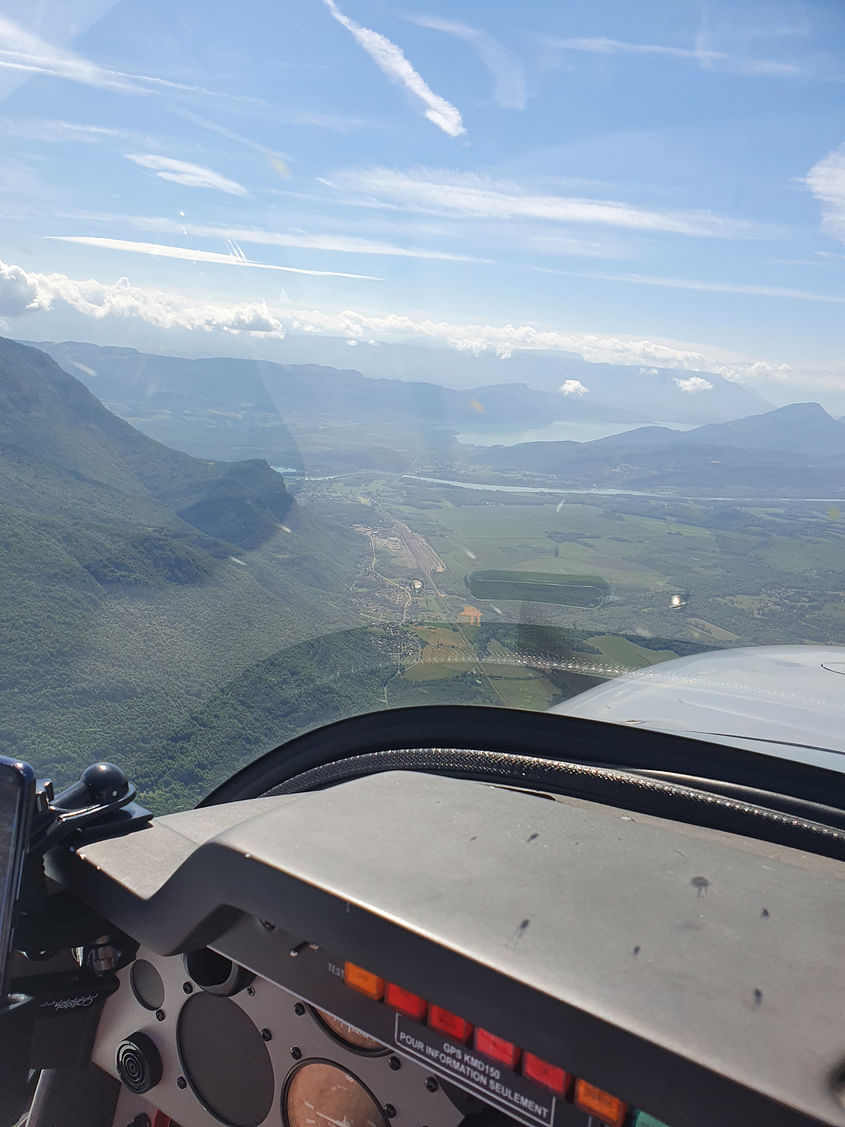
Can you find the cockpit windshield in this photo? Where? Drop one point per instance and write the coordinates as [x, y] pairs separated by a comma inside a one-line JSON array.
[[357, 355]]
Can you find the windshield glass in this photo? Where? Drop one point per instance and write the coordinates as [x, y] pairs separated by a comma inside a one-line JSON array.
[[359, 355]]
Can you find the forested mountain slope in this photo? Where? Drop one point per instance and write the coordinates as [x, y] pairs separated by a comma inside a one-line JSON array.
[[138, 581]]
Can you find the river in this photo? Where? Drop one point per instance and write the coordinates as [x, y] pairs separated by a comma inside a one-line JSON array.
[[665, 495]]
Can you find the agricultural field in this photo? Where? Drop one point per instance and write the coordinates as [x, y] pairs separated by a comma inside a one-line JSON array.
[[677, 576], [539, 587]]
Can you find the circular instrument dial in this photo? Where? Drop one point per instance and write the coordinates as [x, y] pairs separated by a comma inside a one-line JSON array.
[[225, 1060], [321, 1094], [348, 1035]]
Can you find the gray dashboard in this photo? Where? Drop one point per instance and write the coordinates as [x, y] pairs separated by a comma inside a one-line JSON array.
[[694, 973]]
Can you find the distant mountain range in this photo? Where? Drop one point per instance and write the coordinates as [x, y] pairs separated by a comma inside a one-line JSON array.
[[797, 450], [224, 407], [650, 390]]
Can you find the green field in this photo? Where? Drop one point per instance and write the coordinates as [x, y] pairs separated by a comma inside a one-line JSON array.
[[752, 575], [628, 654], [539, 587]]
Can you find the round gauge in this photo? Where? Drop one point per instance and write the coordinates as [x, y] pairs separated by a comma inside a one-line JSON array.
[[225, 1060], [348, 1035], [319, 1093], [147, 985]]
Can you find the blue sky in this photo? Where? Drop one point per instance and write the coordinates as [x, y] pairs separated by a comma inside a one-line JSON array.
[[650, 184]]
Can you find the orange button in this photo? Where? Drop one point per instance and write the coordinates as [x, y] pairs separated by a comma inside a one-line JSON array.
[[595, 1101], [549, 1075], [450, 1025], [364, 981], [505, 1052], [412, 1005]]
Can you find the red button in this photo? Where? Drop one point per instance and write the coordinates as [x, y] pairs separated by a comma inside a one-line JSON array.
[[505, 1052], [549, 1075], [412, 1005], [450, 1025]]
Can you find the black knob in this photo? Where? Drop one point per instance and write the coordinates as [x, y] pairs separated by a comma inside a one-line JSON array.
[[100, 785], [106, 783], [138, 1063]]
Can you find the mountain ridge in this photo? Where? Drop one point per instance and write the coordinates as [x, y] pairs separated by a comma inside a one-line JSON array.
[[657, 389], [794, 449], [141, 581], [307, 390], [48, 418]]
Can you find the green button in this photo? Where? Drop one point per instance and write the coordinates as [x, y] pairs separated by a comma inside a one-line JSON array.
[[643, 1119]]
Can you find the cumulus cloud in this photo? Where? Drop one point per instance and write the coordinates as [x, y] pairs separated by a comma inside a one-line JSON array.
[[190, 175], [19, 292], [573, 387], [706, 58], [648, 371], [391, 60], [504, 66], [765, 374], [22, 292], [442, 192], [693, 384], [826, 180], [758, 370], [187, 254]]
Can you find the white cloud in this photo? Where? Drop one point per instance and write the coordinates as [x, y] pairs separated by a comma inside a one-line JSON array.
[[230, 135], [573, 387], [19, 291], [41, 129], [706, 58], [22, 292], [190, 175], [342, 244], [391, 61], [22, 51], [480, 197], [694, 383], [719, 287], [187, 254], [826, 180], [548, 242], [502, 63], [757, 371], [649, 371]]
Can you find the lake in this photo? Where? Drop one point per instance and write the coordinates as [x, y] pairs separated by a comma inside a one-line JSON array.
[[560, 431]]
